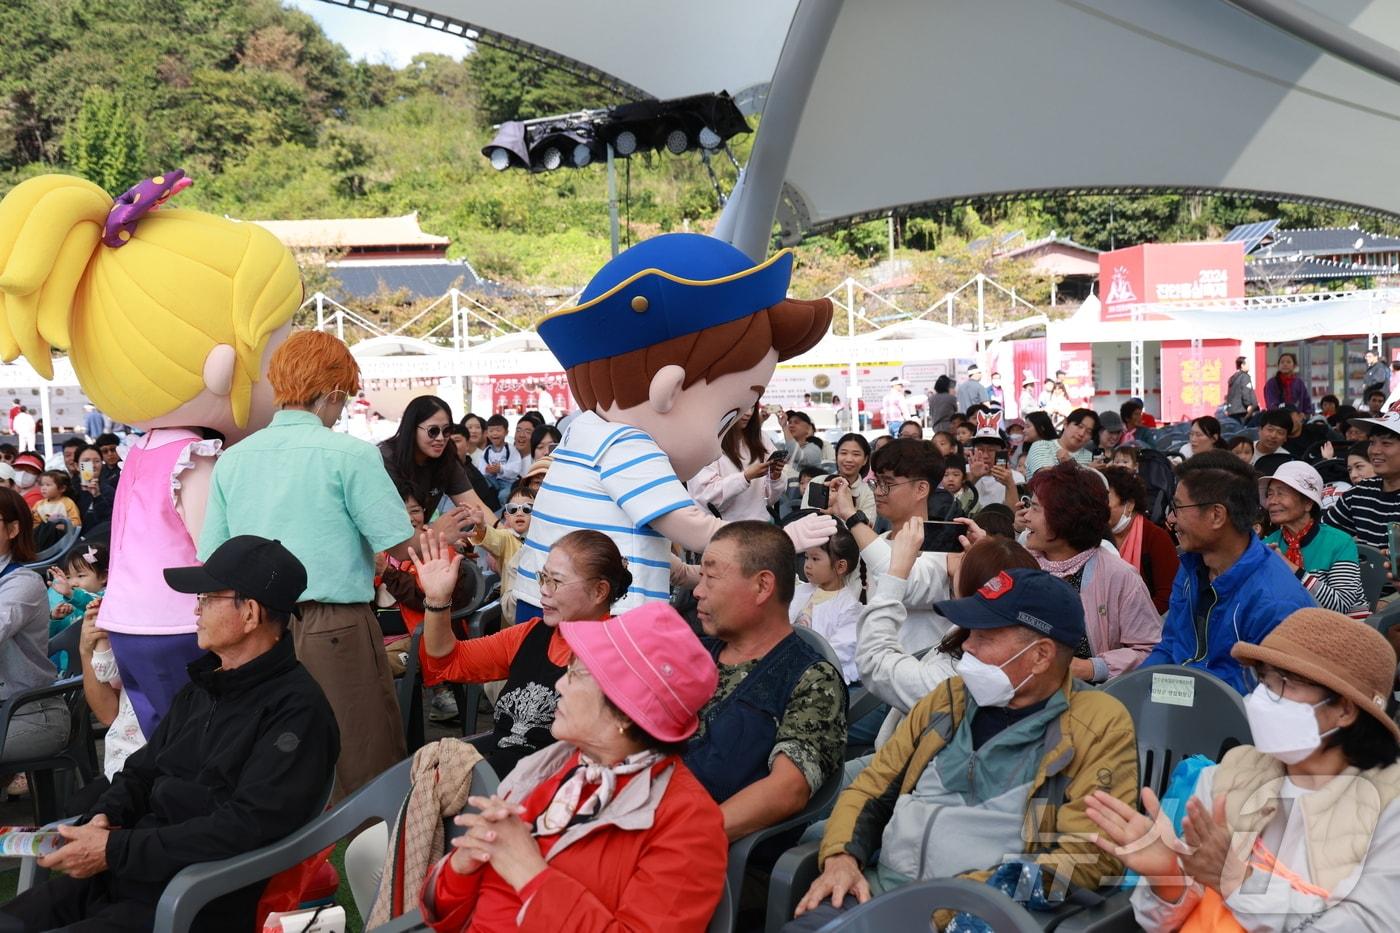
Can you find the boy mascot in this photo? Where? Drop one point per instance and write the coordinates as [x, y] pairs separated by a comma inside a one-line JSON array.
[[669, 343], [169, 317]]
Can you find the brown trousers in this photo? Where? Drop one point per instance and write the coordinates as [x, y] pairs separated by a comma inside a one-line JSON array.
[[343, 648]]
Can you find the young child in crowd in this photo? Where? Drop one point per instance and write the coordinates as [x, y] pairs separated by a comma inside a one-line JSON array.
[[108, 700], [74, 584], [57, 502], [1126, 457], [955, 481], [1243, 448], [503, 541], [830, 602], [499, 461]]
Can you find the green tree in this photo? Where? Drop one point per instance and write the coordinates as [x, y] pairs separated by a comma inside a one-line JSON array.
[[106, 143], [511, 86]]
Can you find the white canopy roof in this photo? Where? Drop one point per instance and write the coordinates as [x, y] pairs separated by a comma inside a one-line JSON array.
[[886, 104]]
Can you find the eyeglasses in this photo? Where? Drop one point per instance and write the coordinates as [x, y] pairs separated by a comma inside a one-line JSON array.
[[517, 508], [573, 670], [882, 487], [549, 583], [1173, 507], [435, 431], [202, 598], [1277, 682]]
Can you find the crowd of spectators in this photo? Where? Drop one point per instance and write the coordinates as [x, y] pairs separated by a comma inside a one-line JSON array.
[[986, 575]]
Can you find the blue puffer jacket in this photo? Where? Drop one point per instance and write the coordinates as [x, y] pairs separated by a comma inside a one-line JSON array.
[[1242, 604]]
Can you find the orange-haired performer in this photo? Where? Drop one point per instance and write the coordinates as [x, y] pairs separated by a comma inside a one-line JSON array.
[[327, 498], [671, 340], [169, 317]]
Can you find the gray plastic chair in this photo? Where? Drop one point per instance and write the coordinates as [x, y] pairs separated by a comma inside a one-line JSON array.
[[1373, 574], [816, 640], [1178, 712], [380, 800], [1383, 620], [56, 551], [911, 907], [410, 694], [50, 775]]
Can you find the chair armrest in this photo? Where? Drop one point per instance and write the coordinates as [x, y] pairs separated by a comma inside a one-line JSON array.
[[793, 874], [817, 808], [196, 885], [20, 700], [863, 703]]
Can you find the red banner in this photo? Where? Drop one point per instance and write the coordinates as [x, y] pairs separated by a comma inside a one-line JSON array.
[[1195, 379], [1166, 273], [518, 392]]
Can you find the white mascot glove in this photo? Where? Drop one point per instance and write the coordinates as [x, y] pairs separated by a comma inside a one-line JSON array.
[[810, 531]]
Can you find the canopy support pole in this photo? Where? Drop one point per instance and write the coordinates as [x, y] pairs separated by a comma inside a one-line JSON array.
[[756, 203]]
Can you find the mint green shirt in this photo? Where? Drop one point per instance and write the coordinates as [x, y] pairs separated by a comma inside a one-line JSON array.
[[324, 495]]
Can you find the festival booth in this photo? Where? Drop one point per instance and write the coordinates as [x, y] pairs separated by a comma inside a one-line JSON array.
[[1172, 318]]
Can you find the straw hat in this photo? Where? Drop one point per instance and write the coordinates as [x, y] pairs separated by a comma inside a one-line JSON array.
[[1346, 656]]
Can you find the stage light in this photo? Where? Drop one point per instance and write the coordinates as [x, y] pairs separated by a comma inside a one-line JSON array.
[[545, 144]]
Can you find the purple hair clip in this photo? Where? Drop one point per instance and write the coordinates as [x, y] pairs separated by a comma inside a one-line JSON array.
[[136, 201]]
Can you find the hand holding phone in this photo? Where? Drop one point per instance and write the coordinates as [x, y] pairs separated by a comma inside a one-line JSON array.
[[942, 537], [818, 496]]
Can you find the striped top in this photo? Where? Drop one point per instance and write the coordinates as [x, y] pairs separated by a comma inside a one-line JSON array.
[[1365, 512], [1047, 453], [614, 479], [1331, 571]]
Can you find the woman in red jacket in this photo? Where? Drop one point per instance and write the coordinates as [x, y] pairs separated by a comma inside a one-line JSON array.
[[607, 829]]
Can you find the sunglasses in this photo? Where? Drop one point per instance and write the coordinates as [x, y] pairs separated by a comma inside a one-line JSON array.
[[434, 431], [519, 508]]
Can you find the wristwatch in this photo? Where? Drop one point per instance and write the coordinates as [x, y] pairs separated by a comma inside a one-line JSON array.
[[857, 518]]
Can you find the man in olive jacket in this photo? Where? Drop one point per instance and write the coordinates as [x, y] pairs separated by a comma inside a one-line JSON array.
[[993, 765]]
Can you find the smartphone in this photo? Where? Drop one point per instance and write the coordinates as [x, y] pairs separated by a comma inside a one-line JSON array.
[[1394, 538], [943, 537], [818, 496], [778, 456], [87, 471], [1000, 459], [774, 409]]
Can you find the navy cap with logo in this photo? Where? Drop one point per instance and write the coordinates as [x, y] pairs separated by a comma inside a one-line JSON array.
[[254, 567], [1033, 598]]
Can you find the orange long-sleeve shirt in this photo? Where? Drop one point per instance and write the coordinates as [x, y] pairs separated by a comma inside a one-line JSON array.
[[481, 660]]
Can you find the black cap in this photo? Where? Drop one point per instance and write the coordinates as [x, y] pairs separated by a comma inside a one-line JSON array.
[[250, 566], [1031, 598]]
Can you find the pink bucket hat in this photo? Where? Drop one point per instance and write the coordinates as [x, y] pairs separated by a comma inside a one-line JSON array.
[[649, 663]]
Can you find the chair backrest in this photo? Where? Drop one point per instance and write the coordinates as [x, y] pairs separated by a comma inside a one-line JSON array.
[[816, 640], [1383, 620], [1178, 712], [1373, 574], [410, 694], [485, 782], [910, 907], [54, 553], [469, 568]]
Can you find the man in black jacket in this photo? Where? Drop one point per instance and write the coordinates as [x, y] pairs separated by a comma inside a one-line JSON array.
[[246, 754]]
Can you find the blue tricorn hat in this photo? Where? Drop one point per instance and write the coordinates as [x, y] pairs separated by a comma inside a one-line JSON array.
[[668, 286]]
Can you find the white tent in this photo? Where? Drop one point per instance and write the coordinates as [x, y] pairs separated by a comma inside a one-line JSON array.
[[1296, 98]]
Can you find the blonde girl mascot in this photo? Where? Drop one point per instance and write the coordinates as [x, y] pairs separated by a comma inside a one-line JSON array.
[[169, 317]]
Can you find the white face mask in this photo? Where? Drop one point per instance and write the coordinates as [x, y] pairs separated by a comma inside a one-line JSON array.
[[1017, 438], [988, 683], [1286, 729], [24, 479], [1123, 522]]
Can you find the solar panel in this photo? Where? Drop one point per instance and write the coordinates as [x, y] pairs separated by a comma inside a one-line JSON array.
[[1251, 234]]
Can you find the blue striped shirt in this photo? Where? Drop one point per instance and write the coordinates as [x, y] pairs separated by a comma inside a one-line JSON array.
[[614, 479]]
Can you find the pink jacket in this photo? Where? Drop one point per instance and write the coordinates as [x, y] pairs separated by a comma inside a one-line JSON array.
[[1122, 623]]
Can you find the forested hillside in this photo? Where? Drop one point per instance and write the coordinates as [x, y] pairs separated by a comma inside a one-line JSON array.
[[275, 121]]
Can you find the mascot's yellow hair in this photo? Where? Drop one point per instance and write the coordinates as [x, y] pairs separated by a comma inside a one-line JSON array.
[[140, 320]]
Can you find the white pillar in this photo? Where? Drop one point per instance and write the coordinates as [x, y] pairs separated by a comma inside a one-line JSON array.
[[46, 412]]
